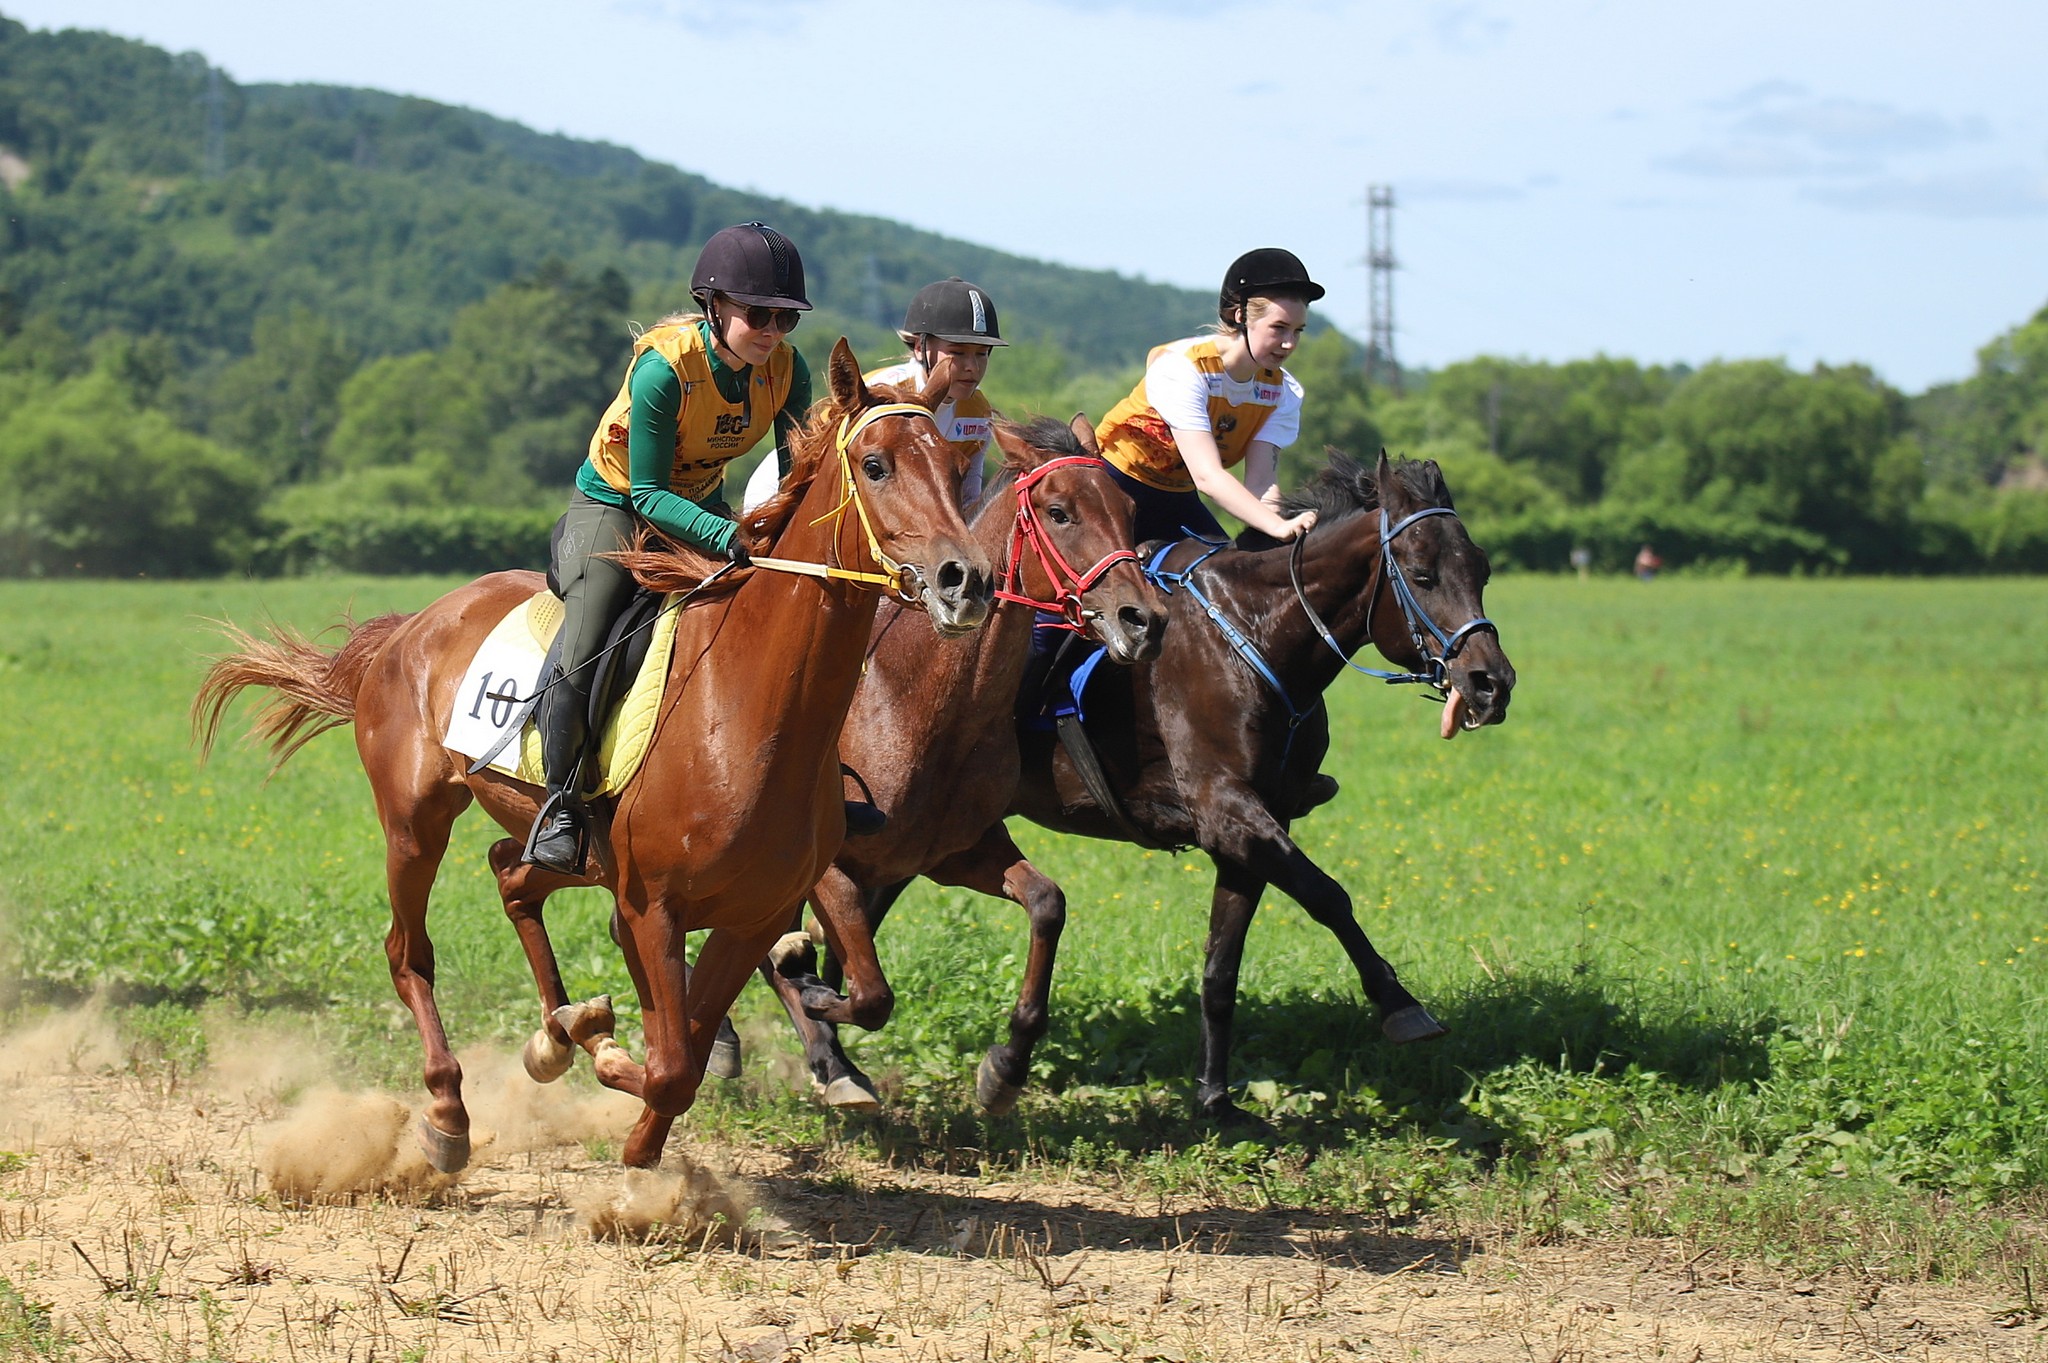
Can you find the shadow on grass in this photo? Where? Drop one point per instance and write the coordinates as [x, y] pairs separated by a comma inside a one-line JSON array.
[[1121, 1071]]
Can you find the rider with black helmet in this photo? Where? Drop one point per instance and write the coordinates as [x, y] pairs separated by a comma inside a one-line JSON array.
[[951, 320], [700, 390], [1210, 402]]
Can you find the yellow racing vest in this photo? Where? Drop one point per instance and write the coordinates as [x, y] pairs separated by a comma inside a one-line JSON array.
[[710, 432], [1137, 439]]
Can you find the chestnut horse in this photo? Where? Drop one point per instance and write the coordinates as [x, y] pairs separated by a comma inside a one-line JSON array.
[[735, 811], [931, 733], [1200, 749]]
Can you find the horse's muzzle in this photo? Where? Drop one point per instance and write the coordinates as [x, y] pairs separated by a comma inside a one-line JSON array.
[[957, 595]]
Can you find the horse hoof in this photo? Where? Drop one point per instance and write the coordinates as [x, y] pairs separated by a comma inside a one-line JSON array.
[[997, 1095], [545, 1058], [585, 1022], [448, 1154], [793, 954], [850, 1095], [1412, 1023], [724, 1061]]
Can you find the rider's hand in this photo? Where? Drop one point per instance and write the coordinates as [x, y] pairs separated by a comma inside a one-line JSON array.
[[736, 550], [1296, 526]]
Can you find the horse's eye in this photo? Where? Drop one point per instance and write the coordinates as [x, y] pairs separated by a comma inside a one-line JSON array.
[[874, 468], [1057, 514], [1424, 580]]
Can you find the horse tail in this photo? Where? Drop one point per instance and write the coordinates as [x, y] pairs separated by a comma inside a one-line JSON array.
[[316, 687]]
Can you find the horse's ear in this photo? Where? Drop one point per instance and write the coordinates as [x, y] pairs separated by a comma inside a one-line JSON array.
[[1084, 431], [1018, 453], [1439, 490], [849, 390], [1383, 480], [936, 381]]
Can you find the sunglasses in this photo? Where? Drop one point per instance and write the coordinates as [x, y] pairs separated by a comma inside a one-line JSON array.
[[761, 319]]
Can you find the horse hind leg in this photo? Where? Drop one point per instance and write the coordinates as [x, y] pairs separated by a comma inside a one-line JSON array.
[[415, 840]]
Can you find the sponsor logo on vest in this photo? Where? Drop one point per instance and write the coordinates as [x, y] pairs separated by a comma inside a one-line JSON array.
[[1263, 393], [729, 423], [1225, 425], [1214, 383], [969, 428]]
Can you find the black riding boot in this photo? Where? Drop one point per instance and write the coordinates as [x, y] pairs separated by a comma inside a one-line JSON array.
[[559, 831]]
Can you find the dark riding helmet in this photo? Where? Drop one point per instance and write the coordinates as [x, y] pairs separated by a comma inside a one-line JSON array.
[[751, 263], [1269, 272], [954, 310]]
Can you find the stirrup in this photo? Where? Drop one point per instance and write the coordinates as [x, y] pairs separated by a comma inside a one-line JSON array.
[[864, 819], [568, 805]]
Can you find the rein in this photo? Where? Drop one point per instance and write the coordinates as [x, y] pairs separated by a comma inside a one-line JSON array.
[[895, 578], [1170, 582], [1068, 585], [1437, 669]]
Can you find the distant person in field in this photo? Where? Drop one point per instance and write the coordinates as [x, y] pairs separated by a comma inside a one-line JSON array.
[[701, 389], [1647, 563], [1209, 403], [950, 320]]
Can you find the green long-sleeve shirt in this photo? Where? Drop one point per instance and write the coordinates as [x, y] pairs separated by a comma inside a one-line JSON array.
[[657, 405]]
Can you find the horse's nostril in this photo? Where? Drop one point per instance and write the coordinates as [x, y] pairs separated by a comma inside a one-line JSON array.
[[1481, 682], [952, 576], [1135, 619]]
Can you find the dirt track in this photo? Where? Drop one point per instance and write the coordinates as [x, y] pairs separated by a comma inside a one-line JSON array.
[[170, 1192]]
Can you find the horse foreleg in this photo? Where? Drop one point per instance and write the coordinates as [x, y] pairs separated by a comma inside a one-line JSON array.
[[996, 868], [1231, 907], [1288, 868], [415, 840], [848, 915], [524, 890]]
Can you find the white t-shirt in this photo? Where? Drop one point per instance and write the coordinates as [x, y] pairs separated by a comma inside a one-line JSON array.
[[1180, 393]]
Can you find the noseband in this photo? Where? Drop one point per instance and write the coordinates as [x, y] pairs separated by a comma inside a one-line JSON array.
[[1436, 670], [1068, 585]]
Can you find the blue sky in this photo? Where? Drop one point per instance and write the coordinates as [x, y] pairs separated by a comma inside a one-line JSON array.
[[1677, 181]]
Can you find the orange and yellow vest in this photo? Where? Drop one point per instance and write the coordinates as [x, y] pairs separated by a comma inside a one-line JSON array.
[[710, 432], [1137, 439], [972, 422]]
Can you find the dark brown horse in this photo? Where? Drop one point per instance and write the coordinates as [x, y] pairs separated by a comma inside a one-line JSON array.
[[931, 734], [736, 809], [1201, 750]]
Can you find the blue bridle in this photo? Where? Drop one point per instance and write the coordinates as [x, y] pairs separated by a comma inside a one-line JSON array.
[[1436, 671]]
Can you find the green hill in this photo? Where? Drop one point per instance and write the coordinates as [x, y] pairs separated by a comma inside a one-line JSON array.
[[149, 193]]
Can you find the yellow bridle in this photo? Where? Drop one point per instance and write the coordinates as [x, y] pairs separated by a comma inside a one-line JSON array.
[[894, 577]]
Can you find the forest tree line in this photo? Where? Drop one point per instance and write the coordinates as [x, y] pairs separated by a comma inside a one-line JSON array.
[[276, 329]]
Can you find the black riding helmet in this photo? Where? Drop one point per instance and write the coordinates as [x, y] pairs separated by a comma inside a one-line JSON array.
[[954, 310], [751, 263], [1269, 272]]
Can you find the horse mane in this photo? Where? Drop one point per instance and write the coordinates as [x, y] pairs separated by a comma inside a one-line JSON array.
[[1053, 438], [660, 564], [1345, 487]]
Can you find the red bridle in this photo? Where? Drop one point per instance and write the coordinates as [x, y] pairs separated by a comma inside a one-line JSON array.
[[1068, 585]]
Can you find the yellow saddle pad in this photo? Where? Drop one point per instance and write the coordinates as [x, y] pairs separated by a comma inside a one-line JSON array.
[[505, 672]]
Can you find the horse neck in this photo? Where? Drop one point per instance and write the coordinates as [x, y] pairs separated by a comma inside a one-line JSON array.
[[804, 633], [999, 648], [1339, 575]]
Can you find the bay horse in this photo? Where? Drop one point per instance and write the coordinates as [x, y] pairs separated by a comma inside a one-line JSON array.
[[932, 734], [1201, 750], [736, 809]]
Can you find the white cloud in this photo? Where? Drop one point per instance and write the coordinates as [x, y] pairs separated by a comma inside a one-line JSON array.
[[2008, 192], [1854, 126]]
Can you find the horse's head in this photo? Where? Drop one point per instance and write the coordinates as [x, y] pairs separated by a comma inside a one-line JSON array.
[[1430, 599], [903, 480], [1070, 549]]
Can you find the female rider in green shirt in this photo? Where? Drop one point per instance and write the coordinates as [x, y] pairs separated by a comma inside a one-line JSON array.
[[702, 388]]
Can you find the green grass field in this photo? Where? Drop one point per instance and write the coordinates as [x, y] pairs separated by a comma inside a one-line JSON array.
[[1738, 922]]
